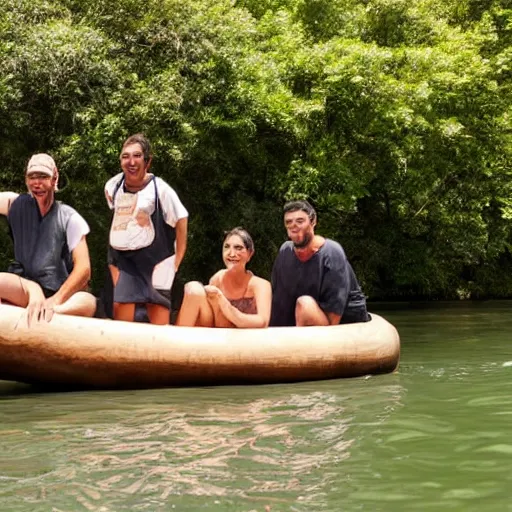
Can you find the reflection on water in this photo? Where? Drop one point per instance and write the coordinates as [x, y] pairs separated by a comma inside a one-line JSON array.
[[254, 448], [435, 436]]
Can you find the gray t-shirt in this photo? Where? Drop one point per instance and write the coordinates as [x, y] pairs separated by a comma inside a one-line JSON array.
[[327, 277]]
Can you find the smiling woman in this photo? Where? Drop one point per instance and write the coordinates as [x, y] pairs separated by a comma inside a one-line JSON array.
[[148, 235], [234, 297]]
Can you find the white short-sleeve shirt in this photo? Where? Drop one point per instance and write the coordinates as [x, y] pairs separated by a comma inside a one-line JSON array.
[[76, 228]]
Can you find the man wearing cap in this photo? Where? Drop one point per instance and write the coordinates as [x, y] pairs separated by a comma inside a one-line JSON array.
[[52, 266]]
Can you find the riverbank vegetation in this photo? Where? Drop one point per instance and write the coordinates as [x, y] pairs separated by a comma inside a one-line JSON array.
[[393, 117]]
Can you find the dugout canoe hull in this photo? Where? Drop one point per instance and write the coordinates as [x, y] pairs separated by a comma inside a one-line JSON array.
[[74, 352]]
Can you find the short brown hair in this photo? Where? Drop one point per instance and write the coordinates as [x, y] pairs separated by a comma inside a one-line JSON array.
[[140, 138]]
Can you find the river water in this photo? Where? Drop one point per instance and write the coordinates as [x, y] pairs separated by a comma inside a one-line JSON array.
[[434, 436]]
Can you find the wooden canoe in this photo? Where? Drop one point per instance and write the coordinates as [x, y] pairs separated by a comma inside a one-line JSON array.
[[74, 352]]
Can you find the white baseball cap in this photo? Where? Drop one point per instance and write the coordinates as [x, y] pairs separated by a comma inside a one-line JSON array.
[[41, 163]]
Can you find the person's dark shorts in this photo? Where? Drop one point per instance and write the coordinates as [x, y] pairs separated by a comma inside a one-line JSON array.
[[48, 293]]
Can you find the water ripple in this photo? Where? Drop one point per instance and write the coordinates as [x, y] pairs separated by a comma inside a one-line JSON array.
[[264, 453]]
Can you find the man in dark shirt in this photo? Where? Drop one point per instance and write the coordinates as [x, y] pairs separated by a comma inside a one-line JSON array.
[[312, 280], [51, 267]]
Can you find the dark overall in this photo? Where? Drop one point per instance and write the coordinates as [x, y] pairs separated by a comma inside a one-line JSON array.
[[136, 267]]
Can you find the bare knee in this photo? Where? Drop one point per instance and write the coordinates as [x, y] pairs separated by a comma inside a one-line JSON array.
[[194, 290], [304, 304], [195, 309], [308, 312]]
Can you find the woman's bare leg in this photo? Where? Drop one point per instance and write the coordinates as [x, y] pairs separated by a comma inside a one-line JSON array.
[[124, 312], [195, 309], [219, 320], [158, 314]]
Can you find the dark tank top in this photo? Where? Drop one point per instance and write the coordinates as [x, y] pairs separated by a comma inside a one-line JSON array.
[[245, 305]]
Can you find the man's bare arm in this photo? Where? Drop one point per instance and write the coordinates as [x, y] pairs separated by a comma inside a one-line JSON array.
[[6, 199], [80, 275]]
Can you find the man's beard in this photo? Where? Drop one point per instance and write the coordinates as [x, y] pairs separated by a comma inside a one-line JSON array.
[[305, 241]]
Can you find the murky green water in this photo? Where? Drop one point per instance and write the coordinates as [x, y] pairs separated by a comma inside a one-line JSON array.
[[435, 436]]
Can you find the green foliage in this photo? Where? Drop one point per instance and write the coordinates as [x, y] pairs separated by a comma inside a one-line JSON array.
[[392, 117]]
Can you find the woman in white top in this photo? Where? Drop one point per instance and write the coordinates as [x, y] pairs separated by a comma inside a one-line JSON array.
[[148, 236]]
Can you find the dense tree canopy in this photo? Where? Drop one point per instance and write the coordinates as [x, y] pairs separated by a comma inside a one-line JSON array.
[[392, 117]]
